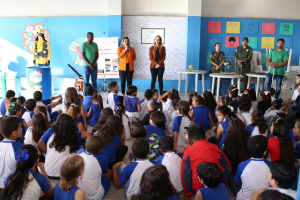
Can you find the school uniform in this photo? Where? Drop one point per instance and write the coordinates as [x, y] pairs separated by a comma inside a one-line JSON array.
[[168, 105], [131, 103], [80, 118], [144, 106], [53, 158], [8, 148], [271, 113], [3, 109], [170, 127], [217, 193], [27, 116], [168, 118], [65, 195], [213, 114], [93, 183], [87, 102], [294, 97], [235, 100], [109, 150], [38, 182], [52, 116], [294, 138], [178, 125], [95, 114], [23, 127], [201, 116], [172, 161], [253, 174], [146, 119], [134, 172], [254, 130], [247, 117], [152, 129], [28, 139], [126, 123], [240, 117], [225, 125], [289, 192], [112, 100]]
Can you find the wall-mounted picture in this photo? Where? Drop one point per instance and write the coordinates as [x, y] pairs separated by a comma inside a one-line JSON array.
[[268, 28], [107, 67], [251, 27], [114, 60], [214, 26], [148, 35], [286, 28], [107, 60], [233, 27], [232, 41], [101, 71], [115, 68]]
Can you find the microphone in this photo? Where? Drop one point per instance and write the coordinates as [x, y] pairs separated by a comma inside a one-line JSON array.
[[127, 47]]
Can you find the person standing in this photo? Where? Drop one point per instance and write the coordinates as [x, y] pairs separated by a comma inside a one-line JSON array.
[[157, 55], [243, 57], [278, 59], [217, 59], [90, 55], [127, 57]]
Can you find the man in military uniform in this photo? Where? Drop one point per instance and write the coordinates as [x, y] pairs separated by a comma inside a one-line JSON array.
[[217, 59], [243, 57]]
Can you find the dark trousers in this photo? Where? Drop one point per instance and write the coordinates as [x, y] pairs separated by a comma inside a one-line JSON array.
[[160, 73], [120, 154], [123, 75]]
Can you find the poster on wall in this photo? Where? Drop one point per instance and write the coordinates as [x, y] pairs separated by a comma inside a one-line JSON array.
[[286, 28], [232, 41], [35, 76], [251, 27], [108, 66], [212, 40], [252, 42], [214, 26], [148, 35], [268, 28], [233, 27], [267, 42]]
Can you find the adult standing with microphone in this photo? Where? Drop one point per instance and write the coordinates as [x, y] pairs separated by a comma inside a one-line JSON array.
[[157, 54], [127, 57]]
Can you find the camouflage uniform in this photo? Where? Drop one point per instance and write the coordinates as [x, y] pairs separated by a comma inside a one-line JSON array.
[[217, 58], [244, 54]]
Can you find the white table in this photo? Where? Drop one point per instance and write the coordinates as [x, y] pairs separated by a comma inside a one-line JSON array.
[[232, 76], [187, 72], [258, 76]]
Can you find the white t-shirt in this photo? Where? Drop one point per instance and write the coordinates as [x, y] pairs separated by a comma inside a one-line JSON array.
[[172, 161], [27, 116], [240, 117], [170, 127], [28, 137], [168, 118], [8, 148], [168, 106], [40, 103], [271, 113], [178, 125], [295, 95], [247, 117], [126, 124], [144, 106], [253, 174], [255, 131], [94, 167], [289, 192], [112, 100]]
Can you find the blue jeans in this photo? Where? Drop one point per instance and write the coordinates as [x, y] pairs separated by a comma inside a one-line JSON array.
[[86, 76], [119, 172], [268, 82]]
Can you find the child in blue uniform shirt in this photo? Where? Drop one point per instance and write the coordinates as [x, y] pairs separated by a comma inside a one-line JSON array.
[[75, 112], [210, 175], [113, 98], [5, 102], [157, 124], [132, 104], [94, 111], [201, 113], [296, 132], [14, 110], [30, 105], [66, 188], [87, 102], [233, 94]]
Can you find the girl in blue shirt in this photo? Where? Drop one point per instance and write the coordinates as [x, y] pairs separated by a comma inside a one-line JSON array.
[[157, 124], [233, 94], [211, 104], [201, 113], [67, 189], [95, 109], [156, 184]]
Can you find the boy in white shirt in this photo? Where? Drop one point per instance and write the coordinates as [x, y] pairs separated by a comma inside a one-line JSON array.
[[113, 98], [245, 112], [30, 105], [144, 103]]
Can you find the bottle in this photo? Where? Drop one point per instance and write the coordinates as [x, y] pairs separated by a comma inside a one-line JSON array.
[[190, 67]]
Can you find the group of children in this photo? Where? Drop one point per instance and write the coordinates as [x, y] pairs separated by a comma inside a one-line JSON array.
[[181, 148]]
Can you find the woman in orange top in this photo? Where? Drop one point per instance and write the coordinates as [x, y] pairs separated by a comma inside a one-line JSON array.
[[126, 55], [157, 54]]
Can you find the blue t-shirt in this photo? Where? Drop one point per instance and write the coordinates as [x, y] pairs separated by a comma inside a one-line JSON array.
[[3, 109], [154, 129], [95, 114], [250, 129], [225, 126], [46, 101], [294, 138], [297, 150], [235, 101], [131, 104], [212, 113], [87, 102], [109, 150], [23, 127], [65, 195], [201, 116], [102, 160], [217, 193]]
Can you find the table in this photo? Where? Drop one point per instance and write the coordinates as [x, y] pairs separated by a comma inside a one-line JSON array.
[[187, 72], [258, 76], [232, 76]]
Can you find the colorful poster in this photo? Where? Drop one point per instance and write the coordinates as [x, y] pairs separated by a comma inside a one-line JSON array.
[[286, 28], [35, 76], [268, 28], [214, 27], [233, 27], [252, 42], [267, 42], [212, 40], [108, 66], [232, 41], [251, 27], [208, 57]]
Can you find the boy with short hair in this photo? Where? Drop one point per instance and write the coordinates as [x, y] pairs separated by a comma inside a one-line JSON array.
[[174, 114], [30, 105], [113, 98], [96, 176], [171, 160], [181, 121], [133, 171], [144, 103], [21, 101], [14, 110], [245, 112], [271, 92], [5, 102], [210, 175], [11, 130], [281, 178], [87, 102], [253, 173]]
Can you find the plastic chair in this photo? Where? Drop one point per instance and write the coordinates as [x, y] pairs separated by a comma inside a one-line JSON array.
[[294, 69], [288, 84]]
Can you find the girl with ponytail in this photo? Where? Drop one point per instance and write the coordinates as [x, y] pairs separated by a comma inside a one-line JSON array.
[[75, 112], [26, 182]]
